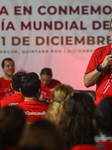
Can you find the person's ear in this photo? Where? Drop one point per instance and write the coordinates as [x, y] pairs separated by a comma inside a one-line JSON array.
[[39, 91], [94, 124], [11, 85], [20, 90]]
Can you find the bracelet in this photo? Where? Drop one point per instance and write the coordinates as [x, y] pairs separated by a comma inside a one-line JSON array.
[[99, 68]]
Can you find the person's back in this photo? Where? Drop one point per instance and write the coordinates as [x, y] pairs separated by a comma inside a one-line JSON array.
[[103, 121], [76, 122], [17, 97], [5, 81], [42, 134], [12, 123], [31, 89], [60, 95]]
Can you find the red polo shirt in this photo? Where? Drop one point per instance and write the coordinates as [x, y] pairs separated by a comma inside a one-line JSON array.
[[107, 144], [46, 90], [5, 88], [85, 147], [12, 100], [34, 109]]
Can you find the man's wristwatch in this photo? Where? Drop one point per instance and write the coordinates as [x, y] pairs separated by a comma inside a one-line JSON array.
[[99, 68]]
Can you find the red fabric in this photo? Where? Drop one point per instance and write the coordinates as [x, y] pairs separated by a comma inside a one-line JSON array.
[[34, 109], [85, 147], [5, 88], [104, 85], [12, 100], [46, 91], [107, 145]]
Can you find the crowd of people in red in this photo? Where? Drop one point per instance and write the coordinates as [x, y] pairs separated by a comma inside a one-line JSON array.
[[44, 114]]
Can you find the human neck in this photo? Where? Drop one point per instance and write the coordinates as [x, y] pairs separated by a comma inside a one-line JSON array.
[[31, 99], [7, 77], [17, 92]]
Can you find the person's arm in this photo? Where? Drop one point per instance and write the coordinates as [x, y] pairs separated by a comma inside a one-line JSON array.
[[92, 77]]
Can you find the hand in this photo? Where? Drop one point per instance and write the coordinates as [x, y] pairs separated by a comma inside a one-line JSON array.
[[107, 61]]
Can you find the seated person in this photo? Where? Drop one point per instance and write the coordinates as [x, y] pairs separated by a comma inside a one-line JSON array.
[[5, 81], [60, 95], [31, 89], [41, 135], [47, 84], [17, 97], [103, 121], [76, 122], [12, 124]]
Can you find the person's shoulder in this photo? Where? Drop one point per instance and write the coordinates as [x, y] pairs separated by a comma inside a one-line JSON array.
[[85, 147], [7, 98], [1, 79], [104, 50], [55, 81], [103, 47], [44, 103], [21, 104]]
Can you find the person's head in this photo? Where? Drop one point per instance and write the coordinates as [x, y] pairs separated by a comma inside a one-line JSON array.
[[46, 75], [16, 81], [44, 134], [8, 66], [30, 85], [60, 94], [103, 116], [76, 120], [12, 123], [110, 29]]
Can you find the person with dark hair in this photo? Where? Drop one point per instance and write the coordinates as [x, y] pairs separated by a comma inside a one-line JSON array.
[[42, 134], [103, 121], [76, 122], [12, 123], [31, 89], [8, 68], [47, 84], [99, 71], [17, 97]]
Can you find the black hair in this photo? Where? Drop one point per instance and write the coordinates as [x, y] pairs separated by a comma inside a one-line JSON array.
[[76, 120], [6, 59], [12, 123], [103, 115], [46, 71], [16, 80], [30, 84], [44, 134]]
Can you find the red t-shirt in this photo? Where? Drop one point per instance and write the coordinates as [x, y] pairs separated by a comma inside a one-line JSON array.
[[12, 100], [85, 147], [104, 85], [34, 109], [46, 91], [5, 88], [107, 145]]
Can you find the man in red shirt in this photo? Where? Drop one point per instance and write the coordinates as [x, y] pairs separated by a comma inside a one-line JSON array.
[[103, 121], [8, 68], [31, 89], [47, 84], [99, 71], [17, 97]]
